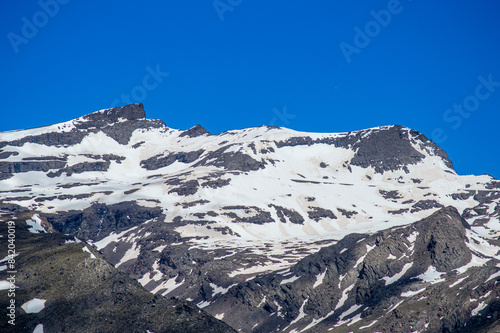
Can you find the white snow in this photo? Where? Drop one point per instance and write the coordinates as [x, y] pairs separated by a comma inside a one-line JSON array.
[[5, 285], [391, 279], [352, 309], [458, 281], [475, 262], [130, 254], [493, 276], [38, 328], [35, 225], [479, 307], [154, 275], [395, 306], [412, 293], [362, 258], [34, 306], [431, 275], [289, 280], [170, 285], [113, 237], [319, 279], [204, 304], [86, 249], [220, 290], [344, 296], [301, 314], [369, 325]]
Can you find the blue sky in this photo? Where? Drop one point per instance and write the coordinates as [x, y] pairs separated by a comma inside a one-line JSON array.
[[322, 66]]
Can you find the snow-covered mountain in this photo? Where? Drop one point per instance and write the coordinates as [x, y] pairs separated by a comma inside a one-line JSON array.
[[248, 224]]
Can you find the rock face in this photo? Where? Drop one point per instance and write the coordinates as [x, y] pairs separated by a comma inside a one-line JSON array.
[[80, 292], [265, 228]]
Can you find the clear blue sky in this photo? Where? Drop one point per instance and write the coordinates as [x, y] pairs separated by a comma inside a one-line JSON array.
[[321, 66]]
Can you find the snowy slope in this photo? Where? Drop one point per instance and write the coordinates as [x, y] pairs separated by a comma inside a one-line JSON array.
[[167, 205]]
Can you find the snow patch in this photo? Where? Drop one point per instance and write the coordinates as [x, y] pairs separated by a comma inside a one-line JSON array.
[[344, 296], [35, 224], [289, 280], [5, 285], [475, 262], [397, 276], [479, 308], [431, 275], [113, 237], [412, 293], [34, 306], [38, 328], [132, 253], [220, 290], [86, 249], [319, 279], [458, 281]]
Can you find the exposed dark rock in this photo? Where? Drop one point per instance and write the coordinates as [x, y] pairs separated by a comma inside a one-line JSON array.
[[231, 160], [7, 154], [189, 187], [462, 196], [292, 215], [106, 157], [57, 139], [216, 183], [160, 161], [81, 168], [317, 213], [347, 213], [7, 169], [195, 131], [138, 144], [192, 203], [99, 220], [104, 120], [45, 158], [390, 194], [383, 149], [257, 215], [425, 205], [399, 211]]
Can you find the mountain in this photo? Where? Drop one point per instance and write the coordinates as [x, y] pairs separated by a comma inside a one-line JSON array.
[[270, 229]]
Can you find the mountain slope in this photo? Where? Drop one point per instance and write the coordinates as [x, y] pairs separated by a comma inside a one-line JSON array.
[[81, 292]]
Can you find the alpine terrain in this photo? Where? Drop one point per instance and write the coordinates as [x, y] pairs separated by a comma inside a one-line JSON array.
[[124, 224]]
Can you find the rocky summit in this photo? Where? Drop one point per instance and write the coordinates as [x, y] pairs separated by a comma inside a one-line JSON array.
[[125, 224]]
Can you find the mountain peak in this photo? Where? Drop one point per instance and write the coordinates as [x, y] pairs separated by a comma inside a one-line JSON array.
[[195, 131], [127, 112]]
